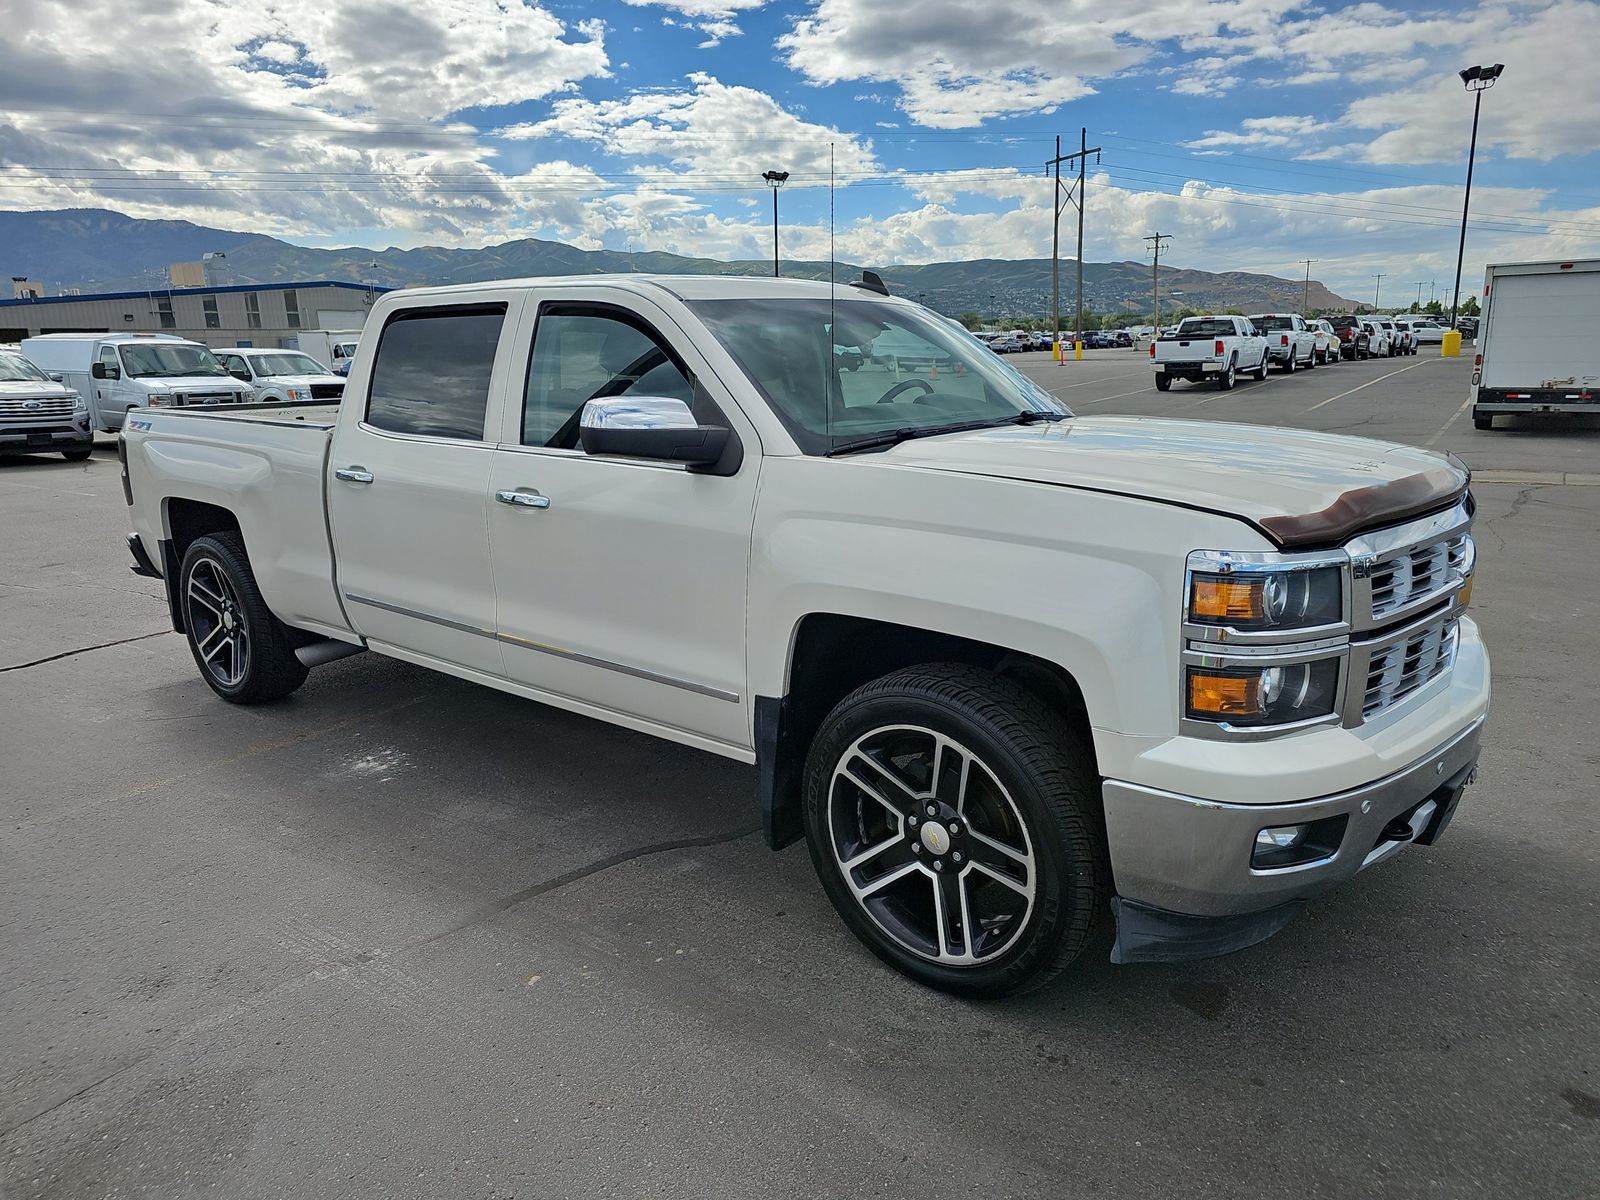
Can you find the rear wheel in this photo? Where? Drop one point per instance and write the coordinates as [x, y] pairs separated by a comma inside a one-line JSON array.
[[1229, 374], [78, 455], [952, 818], [1289, 363], [1163, 383], [1482, 422], [242, 650]]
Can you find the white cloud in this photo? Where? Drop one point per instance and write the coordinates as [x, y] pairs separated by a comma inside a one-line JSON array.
[[714, 18], [709, 129]]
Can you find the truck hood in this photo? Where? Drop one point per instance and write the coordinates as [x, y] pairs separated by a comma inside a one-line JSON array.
[[297, 380], [1302, 489], [27, 389], [187, 383]]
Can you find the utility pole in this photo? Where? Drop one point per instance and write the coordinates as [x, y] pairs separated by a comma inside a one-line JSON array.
[[1375, 291], [1074, 196], [1305, 299], [1156, 239], [1420, 282]]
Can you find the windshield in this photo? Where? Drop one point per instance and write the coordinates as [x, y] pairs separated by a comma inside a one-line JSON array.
[[891, 368], [16, 369], [159, 359], [287, 364]]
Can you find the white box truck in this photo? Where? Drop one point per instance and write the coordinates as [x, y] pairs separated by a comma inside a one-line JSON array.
[[333, 348], [1536, 347]]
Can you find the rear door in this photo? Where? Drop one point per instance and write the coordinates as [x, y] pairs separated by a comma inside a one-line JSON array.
[[625, 591], [408, 491]]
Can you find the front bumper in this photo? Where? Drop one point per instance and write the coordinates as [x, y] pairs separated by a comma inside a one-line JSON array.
[[1182, 865], [20, 439]]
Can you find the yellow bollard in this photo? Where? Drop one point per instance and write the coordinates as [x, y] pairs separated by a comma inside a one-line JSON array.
[[1055, 347], [1077, 350], [1450, 347]]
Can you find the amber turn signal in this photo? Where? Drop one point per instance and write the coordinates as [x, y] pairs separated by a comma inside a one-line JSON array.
[[1227, 599], [1224, 695]]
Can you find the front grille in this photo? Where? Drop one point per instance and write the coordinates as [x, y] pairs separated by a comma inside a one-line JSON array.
[[1419, 574], [19, 410], [193, 398], [1400, 669], [327, 391]]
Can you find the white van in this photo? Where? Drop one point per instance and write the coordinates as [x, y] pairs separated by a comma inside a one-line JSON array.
[[334, 349], [114, 372]]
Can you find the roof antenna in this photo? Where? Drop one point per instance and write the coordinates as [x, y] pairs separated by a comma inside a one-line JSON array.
[[871, 281]]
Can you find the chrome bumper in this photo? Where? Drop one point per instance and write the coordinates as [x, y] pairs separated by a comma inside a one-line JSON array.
[[1190, 859]]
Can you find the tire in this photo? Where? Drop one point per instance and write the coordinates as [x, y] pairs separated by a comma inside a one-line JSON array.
[[1260, 372], [1163, 383], [220, 599], [1229, 375], [1289, 363], [1311, 360], [1001, 752], [79, 455], [1482, 422]]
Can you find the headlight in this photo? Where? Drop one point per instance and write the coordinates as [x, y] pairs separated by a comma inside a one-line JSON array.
[[1266, 695], [78, 405], [158, 399], [293, 393], [1265, 599]]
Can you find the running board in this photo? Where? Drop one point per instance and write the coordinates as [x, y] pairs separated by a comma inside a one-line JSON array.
[[326, 651]]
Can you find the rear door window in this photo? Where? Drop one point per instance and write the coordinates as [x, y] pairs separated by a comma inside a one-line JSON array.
[[431, 374]]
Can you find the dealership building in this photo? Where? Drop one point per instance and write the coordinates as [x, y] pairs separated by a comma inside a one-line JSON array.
[[250, 315]]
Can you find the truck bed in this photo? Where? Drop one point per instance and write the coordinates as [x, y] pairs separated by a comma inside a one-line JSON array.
[[265, 463]]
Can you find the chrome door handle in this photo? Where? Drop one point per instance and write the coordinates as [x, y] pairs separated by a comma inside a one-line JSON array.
[[353, 475], [524, 497]]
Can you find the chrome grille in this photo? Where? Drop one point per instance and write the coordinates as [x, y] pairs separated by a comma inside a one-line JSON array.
[[1399, 669], [1419, 574], [190, 398], [19, 410]]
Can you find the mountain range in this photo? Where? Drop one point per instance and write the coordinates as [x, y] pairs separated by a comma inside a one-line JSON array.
[[98, 250]]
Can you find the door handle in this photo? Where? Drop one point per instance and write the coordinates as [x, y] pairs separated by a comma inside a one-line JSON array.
[[353, 475], [523, 497]]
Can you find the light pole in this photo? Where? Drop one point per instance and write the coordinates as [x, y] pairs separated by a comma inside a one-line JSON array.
[[1478, 80], [775, 180]]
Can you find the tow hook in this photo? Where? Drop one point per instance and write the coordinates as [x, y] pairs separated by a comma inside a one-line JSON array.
[[1397, 830]]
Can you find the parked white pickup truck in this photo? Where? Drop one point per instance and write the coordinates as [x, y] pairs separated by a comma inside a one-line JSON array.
[[1013, 674], [1291, 342], [1207, 348]]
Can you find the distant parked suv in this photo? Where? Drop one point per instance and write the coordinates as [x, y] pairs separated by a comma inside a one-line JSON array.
[[39, 414], [1290, 342], [1405, 342]]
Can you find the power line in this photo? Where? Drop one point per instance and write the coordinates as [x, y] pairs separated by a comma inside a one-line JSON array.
[[1074, 196]]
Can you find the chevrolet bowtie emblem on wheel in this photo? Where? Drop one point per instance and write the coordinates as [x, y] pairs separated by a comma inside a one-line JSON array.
[[935, 838]]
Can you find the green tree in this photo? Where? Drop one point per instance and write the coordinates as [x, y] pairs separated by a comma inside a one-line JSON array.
[[971, 320], [1470, 307]]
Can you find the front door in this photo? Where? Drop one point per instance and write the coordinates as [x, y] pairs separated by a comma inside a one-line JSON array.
[[111, 399], [623, 591], [409, 483]]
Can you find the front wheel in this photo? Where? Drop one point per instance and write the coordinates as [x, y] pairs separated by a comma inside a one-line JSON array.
[[953, 819], [242, 650], [1289, 364]]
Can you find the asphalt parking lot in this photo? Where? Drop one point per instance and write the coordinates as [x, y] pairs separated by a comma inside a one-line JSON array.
[[402, 936]]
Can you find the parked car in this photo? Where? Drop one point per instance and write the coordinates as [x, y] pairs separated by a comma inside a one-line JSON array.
[[1172, 707], [114, 372], [281, 375], [1216, 348], [1122, 338], [1467, 327], [1379, 344], [1352, 335], [1425, 331], [1005, 344], [1405, 341], [39, 414], [1290, 342], [1327, 341], [333, 348]]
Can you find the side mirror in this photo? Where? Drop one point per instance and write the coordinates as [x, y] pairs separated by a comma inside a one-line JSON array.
[[100, 371], [57, 376], [649, 427], [240, 373]]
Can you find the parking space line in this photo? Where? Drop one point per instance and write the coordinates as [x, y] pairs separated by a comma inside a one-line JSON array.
[[1454, 417], [1119, 395], [1369, 383], [1091, 382]]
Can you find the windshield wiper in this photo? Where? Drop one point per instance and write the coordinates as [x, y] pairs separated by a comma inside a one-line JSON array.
[[882, 441]]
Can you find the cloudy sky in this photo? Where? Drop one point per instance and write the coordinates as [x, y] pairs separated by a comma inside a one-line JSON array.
[[1256, 132]]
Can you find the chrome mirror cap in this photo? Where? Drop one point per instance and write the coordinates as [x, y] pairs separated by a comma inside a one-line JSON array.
[[637, 412]]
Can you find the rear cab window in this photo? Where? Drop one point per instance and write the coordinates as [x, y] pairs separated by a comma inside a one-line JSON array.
[[432, 369], [1197, 328]]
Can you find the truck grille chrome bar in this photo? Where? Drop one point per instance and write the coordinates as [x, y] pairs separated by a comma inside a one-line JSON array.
[[1407, 665], [31, 409]]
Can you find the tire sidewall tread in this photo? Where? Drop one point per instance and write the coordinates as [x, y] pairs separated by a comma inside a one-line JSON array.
[[274, 670]]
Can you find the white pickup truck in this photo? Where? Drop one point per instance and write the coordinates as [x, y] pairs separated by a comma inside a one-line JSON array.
[[1209, 348], [1015, 675], [1291, 342]]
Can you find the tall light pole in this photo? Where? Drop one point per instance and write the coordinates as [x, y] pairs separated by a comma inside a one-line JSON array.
[[1478, 80], [775, 180]]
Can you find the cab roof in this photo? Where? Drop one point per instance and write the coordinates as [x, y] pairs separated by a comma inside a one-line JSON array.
[[683, 287]]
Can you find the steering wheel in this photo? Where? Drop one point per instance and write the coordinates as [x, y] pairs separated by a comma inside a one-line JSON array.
[[902, 386]]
